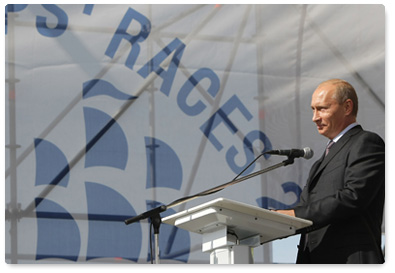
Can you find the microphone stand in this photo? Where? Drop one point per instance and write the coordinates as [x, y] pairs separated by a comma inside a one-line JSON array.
[[154, 214]]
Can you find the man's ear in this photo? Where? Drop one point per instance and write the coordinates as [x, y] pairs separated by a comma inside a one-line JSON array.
[[348, 106]]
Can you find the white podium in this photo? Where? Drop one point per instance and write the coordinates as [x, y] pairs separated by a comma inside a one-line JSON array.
[[231, 229]]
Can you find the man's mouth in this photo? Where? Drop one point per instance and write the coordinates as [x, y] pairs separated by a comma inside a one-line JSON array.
[[320, 126]]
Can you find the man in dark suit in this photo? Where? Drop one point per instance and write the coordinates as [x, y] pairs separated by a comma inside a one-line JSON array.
[[344, 194]]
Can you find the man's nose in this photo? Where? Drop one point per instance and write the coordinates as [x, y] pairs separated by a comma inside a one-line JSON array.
[[316, 116]]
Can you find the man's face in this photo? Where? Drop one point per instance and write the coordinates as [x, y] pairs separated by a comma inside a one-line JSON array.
[[328, 114]]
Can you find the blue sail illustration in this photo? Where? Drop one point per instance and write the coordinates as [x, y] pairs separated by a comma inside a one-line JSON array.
[[106, 141], [108, 234], [164, 168], [99, 87], [58, 233], [51, 163]]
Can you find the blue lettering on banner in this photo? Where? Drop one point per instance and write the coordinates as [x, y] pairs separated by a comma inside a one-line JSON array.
[[12, 8], [61, 25], [167, 76], [88, 9], [121, 33], [176, 46], [190, 84], [248, 151], [222, 116], [41, 21], [15, 7]]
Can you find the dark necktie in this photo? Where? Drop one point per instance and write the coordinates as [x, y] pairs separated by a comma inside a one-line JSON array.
[[328, 147]]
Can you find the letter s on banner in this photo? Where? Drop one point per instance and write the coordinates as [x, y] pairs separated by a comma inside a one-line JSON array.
[[248, 151], [41, 22]]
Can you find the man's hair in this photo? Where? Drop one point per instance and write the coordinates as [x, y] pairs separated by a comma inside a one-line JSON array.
[[344, 91]]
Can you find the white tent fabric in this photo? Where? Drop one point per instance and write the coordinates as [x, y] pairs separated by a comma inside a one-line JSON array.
[[112, 110]]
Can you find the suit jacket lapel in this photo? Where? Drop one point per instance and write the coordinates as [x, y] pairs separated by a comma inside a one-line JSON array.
[[333, 152]]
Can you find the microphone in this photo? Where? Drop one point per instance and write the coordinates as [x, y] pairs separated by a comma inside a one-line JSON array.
[[307, 153]]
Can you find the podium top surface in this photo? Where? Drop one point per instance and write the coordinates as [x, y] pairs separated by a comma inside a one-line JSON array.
[[243, 219]]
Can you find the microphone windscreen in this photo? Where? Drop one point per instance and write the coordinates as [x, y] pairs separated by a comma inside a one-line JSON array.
[[308, 153]]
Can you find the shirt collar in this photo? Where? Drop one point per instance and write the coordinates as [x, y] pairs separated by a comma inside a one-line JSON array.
[[349, 127]]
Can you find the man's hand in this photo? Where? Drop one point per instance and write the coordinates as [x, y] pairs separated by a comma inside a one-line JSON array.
[[286, 212]]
